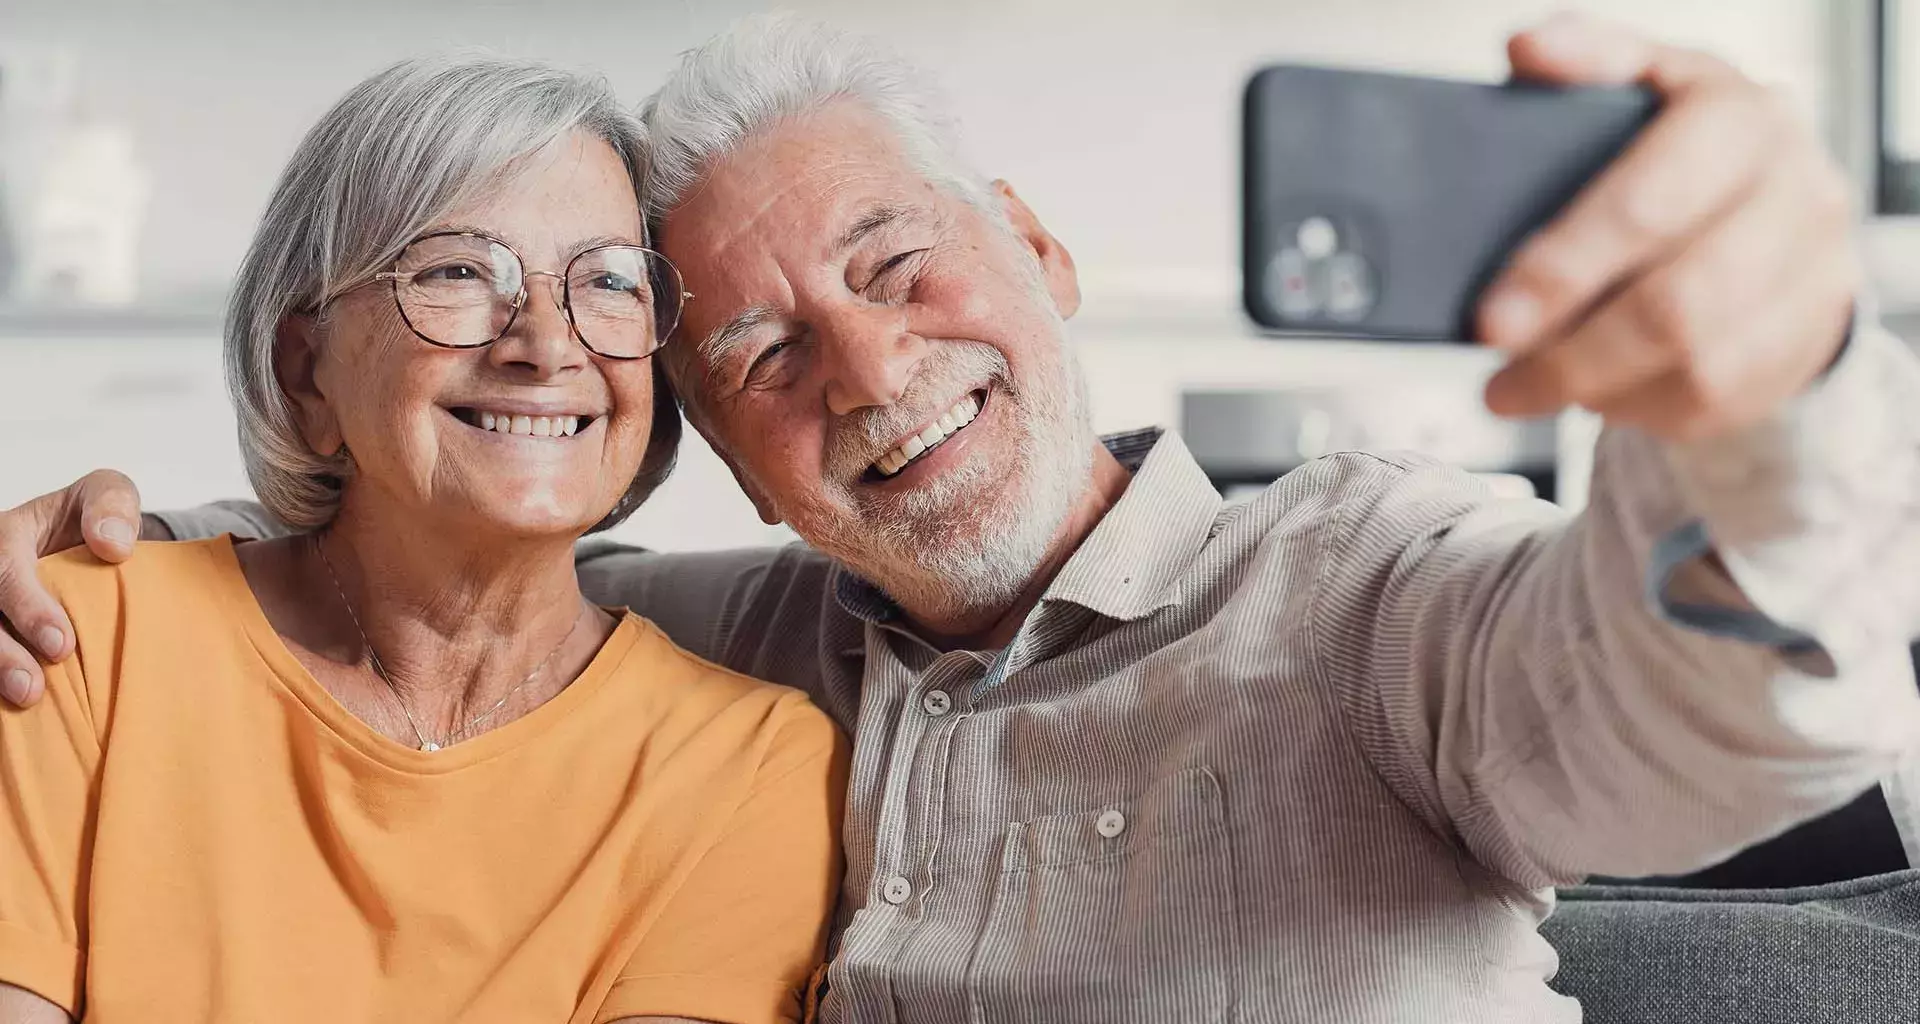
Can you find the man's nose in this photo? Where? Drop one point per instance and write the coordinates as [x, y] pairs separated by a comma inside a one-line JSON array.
[[870, 356], [541, 339]]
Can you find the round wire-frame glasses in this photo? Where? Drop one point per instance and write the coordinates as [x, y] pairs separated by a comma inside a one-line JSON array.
[[481, 288]]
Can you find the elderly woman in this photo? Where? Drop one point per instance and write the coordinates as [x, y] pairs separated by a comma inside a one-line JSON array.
[[420, 778]]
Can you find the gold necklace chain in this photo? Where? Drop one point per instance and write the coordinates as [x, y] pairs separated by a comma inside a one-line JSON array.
[[380, 670]]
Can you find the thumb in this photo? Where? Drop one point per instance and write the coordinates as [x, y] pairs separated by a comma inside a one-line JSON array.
[[108, 516], [1571, 48]]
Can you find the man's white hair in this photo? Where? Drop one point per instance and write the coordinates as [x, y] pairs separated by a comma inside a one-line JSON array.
[[770, 68]]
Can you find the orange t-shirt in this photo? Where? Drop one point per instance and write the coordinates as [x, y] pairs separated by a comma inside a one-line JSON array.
[[192, 828]]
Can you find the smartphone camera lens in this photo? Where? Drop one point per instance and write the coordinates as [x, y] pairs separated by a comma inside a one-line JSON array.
[[1316, 275], [1290, 283], [1350, 288]]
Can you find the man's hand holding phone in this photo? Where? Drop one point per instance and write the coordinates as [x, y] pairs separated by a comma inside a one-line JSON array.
[[1703, 279]]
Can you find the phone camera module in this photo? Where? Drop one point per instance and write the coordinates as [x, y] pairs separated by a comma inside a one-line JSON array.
[[1311, 277]]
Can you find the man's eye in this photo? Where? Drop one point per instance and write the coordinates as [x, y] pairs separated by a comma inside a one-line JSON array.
[[895, 272], [766, 366]]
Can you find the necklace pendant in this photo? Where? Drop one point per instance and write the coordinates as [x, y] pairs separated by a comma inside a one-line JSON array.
[[430, 746]]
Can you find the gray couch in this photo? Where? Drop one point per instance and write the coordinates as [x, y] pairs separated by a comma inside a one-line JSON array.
[[1847, 952]]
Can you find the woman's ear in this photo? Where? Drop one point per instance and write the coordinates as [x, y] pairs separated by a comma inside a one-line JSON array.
[[1056, 263], [296, 356]]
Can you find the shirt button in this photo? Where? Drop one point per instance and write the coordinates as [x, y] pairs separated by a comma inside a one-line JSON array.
[[1111, 824], [936, 703], [897, 890]]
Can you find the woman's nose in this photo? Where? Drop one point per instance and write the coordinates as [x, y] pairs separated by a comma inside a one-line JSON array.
[[541, 338]]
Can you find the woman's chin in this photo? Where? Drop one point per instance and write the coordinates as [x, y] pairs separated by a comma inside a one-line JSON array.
[[533, 514]]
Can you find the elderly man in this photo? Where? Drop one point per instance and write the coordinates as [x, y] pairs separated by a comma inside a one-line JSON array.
[[1126, 752]]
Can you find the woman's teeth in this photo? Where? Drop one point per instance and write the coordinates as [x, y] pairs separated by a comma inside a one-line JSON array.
[[529, 426], [939, 430]]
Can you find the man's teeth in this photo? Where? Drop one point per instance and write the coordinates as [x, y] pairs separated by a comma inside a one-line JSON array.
[[530, 426], [939, 430]]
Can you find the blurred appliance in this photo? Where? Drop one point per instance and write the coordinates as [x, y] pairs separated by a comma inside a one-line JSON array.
[[81, 240], [74, 192], [1245, 440]]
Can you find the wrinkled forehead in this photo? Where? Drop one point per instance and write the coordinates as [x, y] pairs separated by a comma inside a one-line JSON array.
[[780, 213], [793, 191]]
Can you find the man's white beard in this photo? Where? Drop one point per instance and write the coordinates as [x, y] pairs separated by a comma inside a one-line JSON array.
[[938, 551]]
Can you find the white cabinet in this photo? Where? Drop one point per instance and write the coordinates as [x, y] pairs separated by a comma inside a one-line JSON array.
[[152, 407], [156, 408]]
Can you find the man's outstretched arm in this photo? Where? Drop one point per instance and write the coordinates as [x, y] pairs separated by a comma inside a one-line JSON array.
[[1713, 651], [1717, 646]]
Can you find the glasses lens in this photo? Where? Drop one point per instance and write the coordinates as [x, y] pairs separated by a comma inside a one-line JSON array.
[[625, 300], [458, 290]]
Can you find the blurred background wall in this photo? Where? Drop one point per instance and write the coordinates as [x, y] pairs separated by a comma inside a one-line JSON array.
[[1117, 120]]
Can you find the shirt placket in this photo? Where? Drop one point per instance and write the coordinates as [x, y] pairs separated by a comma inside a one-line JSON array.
[[909, 825]]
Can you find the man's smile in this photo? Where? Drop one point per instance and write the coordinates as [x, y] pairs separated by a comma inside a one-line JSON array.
[[930, 437]]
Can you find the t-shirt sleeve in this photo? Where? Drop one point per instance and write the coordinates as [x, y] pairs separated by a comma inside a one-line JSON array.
[[49, 769], [740, 939]]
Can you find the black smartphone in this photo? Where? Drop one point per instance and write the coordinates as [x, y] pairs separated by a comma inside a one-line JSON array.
[[1380, 205]]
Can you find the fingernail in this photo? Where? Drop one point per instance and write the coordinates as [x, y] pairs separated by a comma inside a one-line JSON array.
[[13, 685], [118, 531], [1513, 317], [50, 638]]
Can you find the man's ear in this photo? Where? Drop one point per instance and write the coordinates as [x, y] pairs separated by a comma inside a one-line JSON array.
[[296, 354], [1056, 263]]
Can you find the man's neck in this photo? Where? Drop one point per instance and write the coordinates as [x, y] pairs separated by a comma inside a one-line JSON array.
[[994, 629]]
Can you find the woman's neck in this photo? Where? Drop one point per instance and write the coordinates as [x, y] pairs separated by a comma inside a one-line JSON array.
[[458, 620], [426, 593]]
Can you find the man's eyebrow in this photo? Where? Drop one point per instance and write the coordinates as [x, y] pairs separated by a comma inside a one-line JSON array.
[[873, 220], [722, 342]]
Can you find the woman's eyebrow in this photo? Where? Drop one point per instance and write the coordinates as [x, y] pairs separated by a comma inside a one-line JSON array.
[[571, 251], [596, 242]]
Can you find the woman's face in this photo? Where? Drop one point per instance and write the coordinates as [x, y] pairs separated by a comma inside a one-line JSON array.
[[414, 416]]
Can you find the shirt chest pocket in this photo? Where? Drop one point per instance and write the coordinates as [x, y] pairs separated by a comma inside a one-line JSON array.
[[1117, 913]]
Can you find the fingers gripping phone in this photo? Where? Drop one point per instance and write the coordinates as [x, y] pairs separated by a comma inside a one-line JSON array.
[[1380, 205]]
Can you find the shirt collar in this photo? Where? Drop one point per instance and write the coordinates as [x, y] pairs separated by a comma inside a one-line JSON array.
[[1130, 565]]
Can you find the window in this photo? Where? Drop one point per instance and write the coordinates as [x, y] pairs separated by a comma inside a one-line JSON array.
[[1897, 106]]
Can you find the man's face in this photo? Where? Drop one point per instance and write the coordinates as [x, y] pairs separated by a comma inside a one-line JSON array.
[[882, 363]]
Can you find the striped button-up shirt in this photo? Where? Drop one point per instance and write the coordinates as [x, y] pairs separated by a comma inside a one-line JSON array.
[[1323, 754]]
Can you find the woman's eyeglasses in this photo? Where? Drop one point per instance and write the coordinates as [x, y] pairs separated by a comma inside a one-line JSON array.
[[462, 289]]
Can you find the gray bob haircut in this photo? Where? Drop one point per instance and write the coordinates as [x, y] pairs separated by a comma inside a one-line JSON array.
[[768, 68], [399, 151]]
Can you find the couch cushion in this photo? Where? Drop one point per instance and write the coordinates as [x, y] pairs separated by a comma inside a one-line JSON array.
[[1847, 952]]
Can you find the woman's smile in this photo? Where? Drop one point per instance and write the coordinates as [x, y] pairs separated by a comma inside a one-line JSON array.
[[518, 421]]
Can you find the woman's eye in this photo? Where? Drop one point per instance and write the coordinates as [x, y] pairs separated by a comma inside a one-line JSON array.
[[452, 272], [614, 283]]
